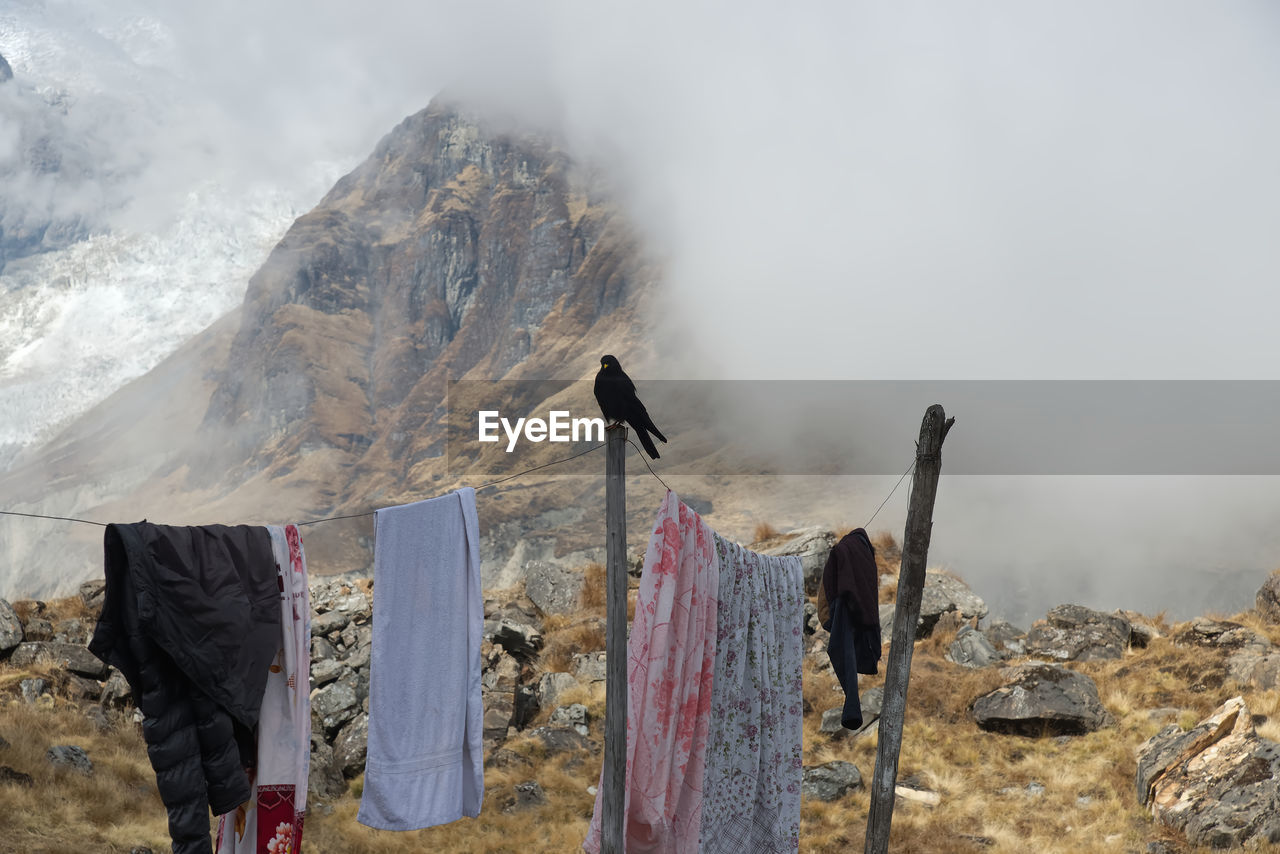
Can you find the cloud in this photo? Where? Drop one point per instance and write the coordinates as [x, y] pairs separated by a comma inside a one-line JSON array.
[[840, 190]]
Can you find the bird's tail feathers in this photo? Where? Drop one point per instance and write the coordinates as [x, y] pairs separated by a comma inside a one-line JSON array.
[[647, 443]]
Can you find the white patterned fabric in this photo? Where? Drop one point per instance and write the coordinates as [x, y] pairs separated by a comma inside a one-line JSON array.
[[751, 785], [271, 821]]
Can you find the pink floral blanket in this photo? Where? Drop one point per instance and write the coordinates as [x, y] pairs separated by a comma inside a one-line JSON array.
[[671, 660]]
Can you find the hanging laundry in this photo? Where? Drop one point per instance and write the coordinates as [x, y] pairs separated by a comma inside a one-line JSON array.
[[849, 607], [270, 822], [751, 789], [671, 656], [425, 760], [191, 617]]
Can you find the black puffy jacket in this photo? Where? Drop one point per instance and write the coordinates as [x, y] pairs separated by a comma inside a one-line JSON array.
[[192, 619]]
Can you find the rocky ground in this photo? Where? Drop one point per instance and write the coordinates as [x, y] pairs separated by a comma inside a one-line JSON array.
[[1206, 779]]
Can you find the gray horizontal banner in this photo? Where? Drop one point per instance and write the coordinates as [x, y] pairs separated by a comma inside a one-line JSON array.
[[778, 427]]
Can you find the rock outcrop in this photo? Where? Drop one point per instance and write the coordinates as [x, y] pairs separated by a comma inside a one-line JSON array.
[[1218, 783], [1268, 598], [1042, 700], [1076, 633], [943, 594]]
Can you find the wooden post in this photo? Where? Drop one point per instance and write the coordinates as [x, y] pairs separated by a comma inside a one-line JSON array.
[[615, 710], [915, 550]]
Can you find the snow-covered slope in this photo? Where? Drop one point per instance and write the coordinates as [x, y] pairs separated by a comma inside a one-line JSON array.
[[123, 241], [77, 323]]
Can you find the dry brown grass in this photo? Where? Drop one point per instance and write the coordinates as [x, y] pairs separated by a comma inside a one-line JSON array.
[[888, 553], [764, 531], [567, 636], [592, 598], [115, 809], [1087, 804]]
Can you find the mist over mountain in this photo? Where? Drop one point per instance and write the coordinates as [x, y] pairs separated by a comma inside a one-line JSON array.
[[831, 191]]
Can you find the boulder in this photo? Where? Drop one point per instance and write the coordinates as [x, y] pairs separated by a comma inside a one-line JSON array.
[[525, 796], [324, 778], [518, 639], [115, 691], [551, 686], [830, 781], [38, 629], [1076, 633], [355, 605], [71, 757], [591, 667], [1218, 783], [1006, 637], [1042, 700], [499, 710], [832, 723], [943, 593], [333, 705], [1268, 598], [11, 633], [358, 657], [351, 746], [1222, 634], [73, 631], [526, 706], [887, 612], [553, 588], [1255, 668], [31, 689], [330, 621], [812, 545], [78, 688], [871, 701], [325, 671], [972, 649], [560, 739], [573, 716], [502, 676], [92, 593], [68, 656], [321, 648]]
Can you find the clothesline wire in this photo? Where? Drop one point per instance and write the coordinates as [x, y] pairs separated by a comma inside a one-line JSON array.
[[59, 518], [639, 452], [544, 465], [890, 495], [478, 488]]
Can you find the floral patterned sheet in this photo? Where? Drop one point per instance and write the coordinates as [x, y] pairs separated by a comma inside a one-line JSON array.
[[751, 788]]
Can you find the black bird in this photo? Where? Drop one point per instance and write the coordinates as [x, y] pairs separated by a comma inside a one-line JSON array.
[[616, 394]]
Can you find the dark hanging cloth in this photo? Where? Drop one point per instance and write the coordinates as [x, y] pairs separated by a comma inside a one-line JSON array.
[[191, 617], [849, 607]]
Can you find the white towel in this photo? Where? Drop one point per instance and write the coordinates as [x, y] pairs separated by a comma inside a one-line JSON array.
[[425, 761]]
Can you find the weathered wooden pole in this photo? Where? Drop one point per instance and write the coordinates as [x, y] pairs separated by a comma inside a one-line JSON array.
[[915, 551], [615, 709]]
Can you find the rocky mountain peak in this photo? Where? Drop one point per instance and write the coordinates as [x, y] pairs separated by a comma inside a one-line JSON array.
[[6, 73], [457, 246]]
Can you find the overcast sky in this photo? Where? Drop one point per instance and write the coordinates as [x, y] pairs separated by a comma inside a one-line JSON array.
[[841, 190], [927, 190], [933, 190]]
